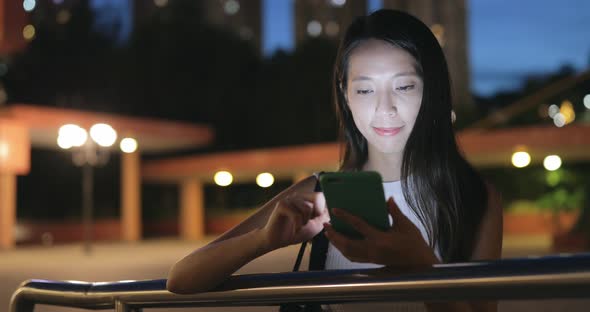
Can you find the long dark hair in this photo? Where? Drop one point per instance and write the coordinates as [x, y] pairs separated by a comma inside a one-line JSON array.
[[447, 195]]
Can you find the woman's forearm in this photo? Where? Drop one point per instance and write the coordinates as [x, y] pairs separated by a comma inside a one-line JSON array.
[[207, 267]]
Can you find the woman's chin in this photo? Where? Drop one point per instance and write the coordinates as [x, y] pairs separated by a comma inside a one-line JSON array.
[[387, 147]]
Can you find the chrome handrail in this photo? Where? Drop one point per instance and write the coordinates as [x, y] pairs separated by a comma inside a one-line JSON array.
[[546, 277]]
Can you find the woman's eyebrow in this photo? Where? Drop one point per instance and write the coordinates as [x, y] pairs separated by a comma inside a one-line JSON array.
[[406, 73], [359, 78]]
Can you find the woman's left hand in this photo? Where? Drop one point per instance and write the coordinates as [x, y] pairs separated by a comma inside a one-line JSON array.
[[400, 246]]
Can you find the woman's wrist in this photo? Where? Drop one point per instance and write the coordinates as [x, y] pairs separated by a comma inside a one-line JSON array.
[[261, 241]]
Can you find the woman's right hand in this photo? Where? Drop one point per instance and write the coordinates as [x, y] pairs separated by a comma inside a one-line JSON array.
[[295, 219]]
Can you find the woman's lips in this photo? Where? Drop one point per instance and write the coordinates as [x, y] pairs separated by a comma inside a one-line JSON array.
[[387, 131]]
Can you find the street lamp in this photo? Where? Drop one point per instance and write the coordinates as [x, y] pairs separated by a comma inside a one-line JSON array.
[[87, 153]]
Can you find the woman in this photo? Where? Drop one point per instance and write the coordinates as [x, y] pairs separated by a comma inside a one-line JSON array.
[[392, 93]]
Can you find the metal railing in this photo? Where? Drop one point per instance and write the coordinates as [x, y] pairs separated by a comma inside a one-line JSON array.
[[553, 277]]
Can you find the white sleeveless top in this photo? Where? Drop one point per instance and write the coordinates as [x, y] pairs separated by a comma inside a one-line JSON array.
[[335, 260]]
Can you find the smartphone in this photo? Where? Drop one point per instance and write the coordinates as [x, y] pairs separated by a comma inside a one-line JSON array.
[[359, 193]]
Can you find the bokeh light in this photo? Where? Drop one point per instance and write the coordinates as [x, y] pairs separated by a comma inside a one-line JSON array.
[[128, 145], [521, 159], [553, 110], [71, 135], [265, 179], [4, 150], [29, 5], [567, 110], [314, 28], [62, 142], [553, 177], [103, 134], [63, 16], [332, 29], [231, 7], [338, 3], [439, 32], [29, 32], [552, 162], [587, 101], [161, 3], [559, 120], [223, 178]]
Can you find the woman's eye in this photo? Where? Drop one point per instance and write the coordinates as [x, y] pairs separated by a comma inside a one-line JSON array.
[[364, 91], [405, 88]]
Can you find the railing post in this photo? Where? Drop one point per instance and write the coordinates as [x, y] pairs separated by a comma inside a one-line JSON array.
[[121, 306], [20, 304]]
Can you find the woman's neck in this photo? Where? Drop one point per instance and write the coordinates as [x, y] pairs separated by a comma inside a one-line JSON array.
[[388, 165]]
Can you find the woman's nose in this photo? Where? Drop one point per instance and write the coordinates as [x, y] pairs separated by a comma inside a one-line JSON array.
[[386, 105]]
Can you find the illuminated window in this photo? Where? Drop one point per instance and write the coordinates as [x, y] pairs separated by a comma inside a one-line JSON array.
[[314, 28], [231, 7], [161, 3], [338, 3], [332, 29], [63, 16]]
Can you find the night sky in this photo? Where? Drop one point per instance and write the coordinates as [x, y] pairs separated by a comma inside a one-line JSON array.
[[508, 39]]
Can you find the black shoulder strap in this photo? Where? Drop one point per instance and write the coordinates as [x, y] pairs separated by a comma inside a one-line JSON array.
[[319, 244], [317, 261], [319, 250]]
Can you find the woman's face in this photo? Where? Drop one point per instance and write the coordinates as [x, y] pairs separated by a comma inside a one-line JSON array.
[[384, 94]]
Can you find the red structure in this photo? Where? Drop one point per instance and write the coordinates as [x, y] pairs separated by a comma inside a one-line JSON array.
[[13, 19]]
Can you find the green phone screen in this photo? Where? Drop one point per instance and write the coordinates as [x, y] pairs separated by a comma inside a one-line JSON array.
[[359, 193]]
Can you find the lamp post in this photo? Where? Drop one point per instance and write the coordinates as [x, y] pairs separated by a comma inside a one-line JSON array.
[[87, 153]]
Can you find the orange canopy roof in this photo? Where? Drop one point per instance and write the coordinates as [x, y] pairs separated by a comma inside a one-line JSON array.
[[483, 148], [153, 135]]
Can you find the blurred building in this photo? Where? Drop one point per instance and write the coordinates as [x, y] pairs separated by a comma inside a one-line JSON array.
[[13, 20], [447, 19], [325, 18], [242, 17]]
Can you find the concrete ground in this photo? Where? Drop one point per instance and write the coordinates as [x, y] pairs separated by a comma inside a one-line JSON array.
[[151, 259]]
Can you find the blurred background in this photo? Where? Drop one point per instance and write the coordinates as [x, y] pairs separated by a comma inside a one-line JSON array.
[[215, 106]]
